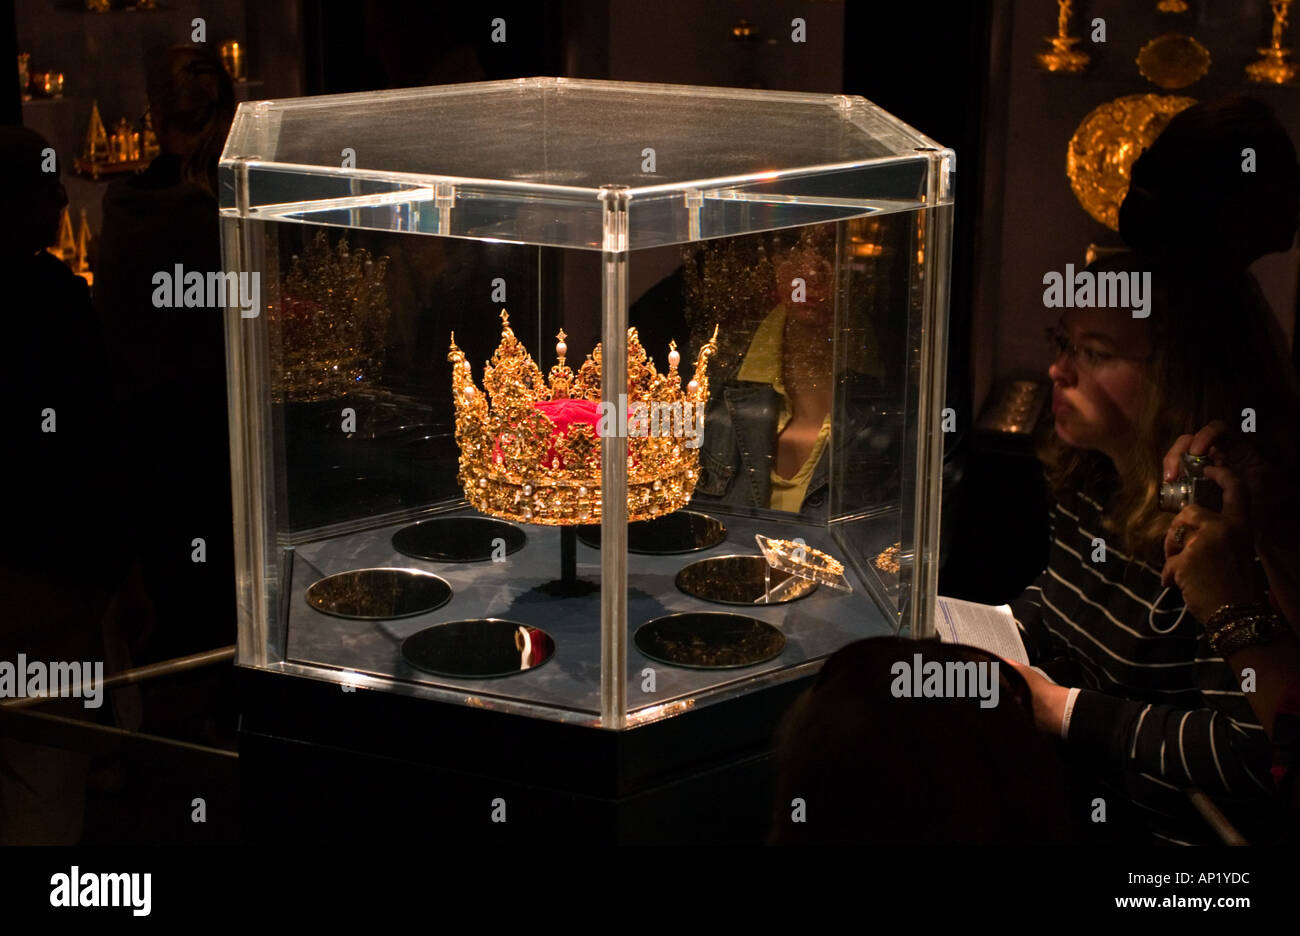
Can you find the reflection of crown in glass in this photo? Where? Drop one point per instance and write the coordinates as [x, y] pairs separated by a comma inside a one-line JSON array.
[[531, 452], [327, 334]]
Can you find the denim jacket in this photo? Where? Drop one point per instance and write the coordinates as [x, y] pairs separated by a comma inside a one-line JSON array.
[[739, 447]]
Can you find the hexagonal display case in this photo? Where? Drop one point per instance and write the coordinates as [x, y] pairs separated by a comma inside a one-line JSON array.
[[586, 401]]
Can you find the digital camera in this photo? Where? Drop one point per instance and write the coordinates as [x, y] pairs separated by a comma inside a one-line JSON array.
[[1192, 487]]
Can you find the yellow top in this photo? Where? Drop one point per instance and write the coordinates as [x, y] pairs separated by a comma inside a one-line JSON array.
[[762, 364]]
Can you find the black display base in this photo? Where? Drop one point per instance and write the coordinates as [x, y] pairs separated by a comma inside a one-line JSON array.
[[568, 585], [321, 765]]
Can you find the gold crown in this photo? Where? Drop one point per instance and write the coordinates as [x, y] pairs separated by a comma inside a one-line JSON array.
[[328, 331], [531, 451]]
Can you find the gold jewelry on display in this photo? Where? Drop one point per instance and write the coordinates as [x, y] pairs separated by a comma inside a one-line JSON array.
[[887, 561], [814, 559]]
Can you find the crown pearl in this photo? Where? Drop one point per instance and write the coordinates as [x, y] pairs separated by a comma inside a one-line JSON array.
[[693, 387], [674, 358], [528, 490]]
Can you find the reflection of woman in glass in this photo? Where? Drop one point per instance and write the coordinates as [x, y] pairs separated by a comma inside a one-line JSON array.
[[790, 359], [767, 431]]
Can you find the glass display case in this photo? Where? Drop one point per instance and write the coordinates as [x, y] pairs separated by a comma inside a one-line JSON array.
[[591, 401]]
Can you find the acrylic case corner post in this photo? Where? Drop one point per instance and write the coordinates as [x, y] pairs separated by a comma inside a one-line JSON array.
[[928, 350], [258, 568], [614, 634]]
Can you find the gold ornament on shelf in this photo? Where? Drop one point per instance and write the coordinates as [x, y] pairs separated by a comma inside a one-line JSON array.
[[124, 150], [148, 139], [96, 149], [232, 58], [1063, 56], [531, 451], [1173, 61], [328, 331], [1108, 141], [1274, 67], [81, 255], [65, 247]]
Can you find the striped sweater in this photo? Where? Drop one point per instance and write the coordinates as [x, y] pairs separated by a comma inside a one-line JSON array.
[[1158, 711]]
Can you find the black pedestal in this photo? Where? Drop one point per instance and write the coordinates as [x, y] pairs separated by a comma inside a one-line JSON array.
[[568, 585], [319, 764]]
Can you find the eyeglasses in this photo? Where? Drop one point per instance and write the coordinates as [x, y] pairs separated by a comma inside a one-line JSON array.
[[1084, 358]]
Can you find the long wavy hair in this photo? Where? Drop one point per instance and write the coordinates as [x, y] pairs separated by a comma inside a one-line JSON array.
[[1217, 354], [191, 94]]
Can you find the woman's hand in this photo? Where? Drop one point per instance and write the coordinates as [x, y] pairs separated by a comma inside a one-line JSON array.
[[1209, 554], [1266, 492], [1049, 699]]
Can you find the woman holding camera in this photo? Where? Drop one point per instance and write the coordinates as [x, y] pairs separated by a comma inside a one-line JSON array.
[[1140, 608]]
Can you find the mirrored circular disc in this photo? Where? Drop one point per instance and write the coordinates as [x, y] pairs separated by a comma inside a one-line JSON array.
[[458, 539], [478, 649], [709, 640], [379, 594], [679, 532], [740, 580]]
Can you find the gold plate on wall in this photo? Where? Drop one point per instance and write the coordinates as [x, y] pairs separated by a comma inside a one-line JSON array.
[[1173, 61], [1103, 149]]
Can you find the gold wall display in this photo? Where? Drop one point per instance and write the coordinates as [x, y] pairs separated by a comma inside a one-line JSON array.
[[1173, 61], [1274, 67], [1109, 139], [530, 449], [1063, 56]]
